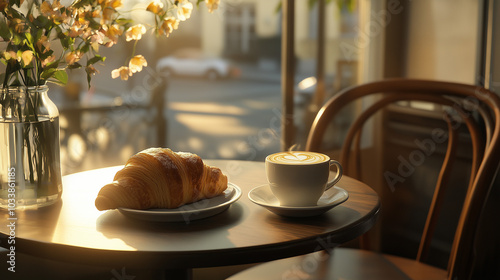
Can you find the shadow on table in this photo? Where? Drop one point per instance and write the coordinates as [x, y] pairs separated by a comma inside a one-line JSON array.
[[340, 217], [113, 224]]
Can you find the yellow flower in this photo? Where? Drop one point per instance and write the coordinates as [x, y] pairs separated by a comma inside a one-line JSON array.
[[156, 7], [184, 8], [81, 21], [86, 33], [115, 4], [27, 57], [46, 8], [212, 5], [57, 5], [93, 23], [168, 25], [96, 12], [8, 55], [135, 32], [48, 60], [109, 9], [136, 63], [74, 31], [122, 72], [72, 57], [107, 15], [112, 32], [52, 11]]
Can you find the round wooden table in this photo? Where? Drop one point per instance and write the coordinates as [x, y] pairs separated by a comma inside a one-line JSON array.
[[74, 231]]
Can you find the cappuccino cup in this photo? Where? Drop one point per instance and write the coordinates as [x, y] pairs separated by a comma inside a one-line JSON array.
[[299, 178]]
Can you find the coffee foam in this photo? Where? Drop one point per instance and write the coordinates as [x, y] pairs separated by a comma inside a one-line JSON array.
[[296, 157]]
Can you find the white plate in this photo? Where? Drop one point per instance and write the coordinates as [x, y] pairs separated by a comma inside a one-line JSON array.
[[189, 212], [263, 196]]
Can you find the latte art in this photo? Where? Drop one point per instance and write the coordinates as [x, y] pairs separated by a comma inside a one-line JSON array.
[[297, 158]]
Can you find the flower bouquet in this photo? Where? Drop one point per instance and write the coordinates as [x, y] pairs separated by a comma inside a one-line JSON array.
[[40, 42]]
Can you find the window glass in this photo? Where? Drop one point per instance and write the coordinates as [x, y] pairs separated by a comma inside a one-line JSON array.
[[213, 87]]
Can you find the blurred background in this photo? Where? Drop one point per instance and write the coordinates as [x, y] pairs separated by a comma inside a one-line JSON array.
[[218, 78], [214, 86]]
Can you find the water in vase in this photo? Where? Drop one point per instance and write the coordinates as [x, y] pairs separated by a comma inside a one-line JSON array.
[[30, 175]]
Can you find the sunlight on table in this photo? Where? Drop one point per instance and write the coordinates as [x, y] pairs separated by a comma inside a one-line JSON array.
[[83, 211]]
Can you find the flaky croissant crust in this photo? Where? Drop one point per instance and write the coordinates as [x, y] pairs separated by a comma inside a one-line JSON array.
[[161, 178]]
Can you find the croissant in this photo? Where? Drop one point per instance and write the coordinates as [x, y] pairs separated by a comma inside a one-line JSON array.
[[160, 178]]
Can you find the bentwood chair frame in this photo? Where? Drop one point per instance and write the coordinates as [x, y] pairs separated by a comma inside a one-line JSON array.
[[485, 160]]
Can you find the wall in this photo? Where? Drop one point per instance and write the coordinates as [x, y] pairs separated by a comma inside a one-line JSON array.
[[212, 24], [442, 40]]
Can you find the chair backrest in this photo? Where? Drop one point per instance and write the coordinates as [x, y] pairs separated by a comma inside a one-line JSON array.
[[463, 99]]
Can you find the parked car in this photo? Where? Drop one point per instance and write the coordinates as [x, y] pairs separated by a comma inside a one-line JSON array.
[[191, 62]]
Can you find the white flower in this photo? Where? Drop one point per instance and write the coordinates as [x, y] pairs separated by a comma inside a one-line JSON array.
[[135, 32], [136, 63], [184, 8], [122, 72], [212, 5]]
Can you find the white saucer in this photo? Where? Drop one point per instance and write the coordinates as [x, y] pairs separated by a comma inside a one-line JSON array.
[[189, 212], [263, 196]]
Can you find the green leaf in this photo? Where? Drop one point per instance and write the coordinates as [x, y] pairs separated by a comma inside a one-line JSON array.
[[75, 65], [95, 59], [42, 22], [47, 73], [61, 76], [38, 35], [29, 40], [85, 48], [93, 23], [44, 55], [15, 2], [52, 65], [17, 40], [5, 31], [66, 41], [123, 21], [89, 78]]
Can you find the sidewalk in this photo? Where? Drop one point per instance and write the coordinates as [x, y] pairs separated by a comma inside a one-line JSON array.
[[266, 71]]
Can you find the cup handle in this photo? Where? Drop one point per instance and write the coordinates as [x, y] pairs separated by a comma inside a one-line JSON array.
[[337, 177]]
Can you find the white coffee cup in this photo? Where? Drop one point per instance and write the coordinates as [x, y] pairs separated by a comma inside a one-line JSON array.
[[299, 178]]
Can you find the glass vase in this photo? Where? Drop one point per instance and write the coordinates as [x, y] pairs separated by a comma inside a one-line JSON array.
[[30, 164]]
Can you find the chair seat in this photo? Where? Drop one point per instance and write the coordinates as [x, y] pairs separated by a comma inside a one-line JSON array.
[[342, 264]]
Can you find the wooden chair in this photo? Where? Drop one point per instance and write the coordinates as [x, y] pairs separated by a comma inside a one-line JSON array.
[[346, 263]]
